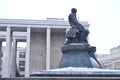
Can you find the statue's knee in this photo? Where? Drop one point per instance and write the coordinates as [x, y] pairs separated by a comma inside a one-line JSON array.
[[87, 32]]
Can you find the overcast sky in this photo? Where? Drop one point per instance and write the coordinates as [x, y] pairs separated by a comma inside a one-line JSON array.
[[103, 16]]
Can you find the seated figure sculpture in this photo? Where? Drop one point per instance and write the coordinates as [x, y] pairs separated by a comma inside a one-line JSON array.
[[77, 33]]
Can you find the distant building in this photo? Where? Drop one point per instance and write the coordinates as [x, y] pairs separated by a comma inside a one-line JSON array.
[[112, 60], [115, 50]]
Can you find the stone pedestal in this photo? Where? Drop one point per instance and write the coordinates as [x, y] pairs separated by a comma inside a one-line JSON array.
[[78, 55], [75, 55]]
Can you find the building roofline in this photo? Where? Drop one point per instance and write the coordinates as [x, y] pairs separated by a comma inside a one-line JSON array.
[[56, 22]]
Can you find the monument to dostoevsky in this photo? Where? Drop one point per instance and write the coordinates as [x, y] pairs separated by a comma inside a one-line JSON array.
[[77, 52]]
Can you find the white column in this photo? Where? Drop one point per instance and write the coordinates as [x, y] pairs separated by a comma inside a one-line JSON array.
[[7, 55], [87, 27], [27, 73], [13, 58], [0, 55], [67, 29], [48, 49]]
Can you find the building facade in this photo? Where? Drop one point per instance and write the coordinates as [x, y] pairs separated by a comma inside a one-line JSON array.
[[112, 60], [44, 39]]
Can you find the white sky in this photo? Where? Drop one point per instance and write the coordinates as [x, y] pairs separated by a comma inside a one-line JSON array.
[[103, 16]]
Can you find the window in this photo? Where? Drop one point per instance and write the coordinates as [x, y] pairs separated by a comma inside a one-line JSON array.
[[117, 65], [21, 65], [21, 68], [22, 54]]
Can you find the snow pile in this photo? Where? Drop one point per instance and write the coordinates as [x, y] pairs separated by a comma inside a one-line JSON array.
[[76, 70]]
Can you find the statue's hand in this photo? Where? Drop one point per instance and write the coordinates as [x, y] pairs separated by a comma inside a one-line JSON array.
[[81, 28]]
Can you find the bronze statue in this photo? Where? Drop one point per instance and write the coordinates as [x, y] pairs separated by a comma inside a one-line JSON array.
[[77, 33]]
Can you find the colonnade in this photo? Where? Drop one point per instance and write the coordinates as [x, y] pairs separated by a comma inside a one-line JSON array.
[[9, 57]]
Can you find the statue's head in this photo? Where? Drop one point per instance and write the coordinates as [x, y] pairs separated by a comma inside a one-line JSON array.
[[73, 10]]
